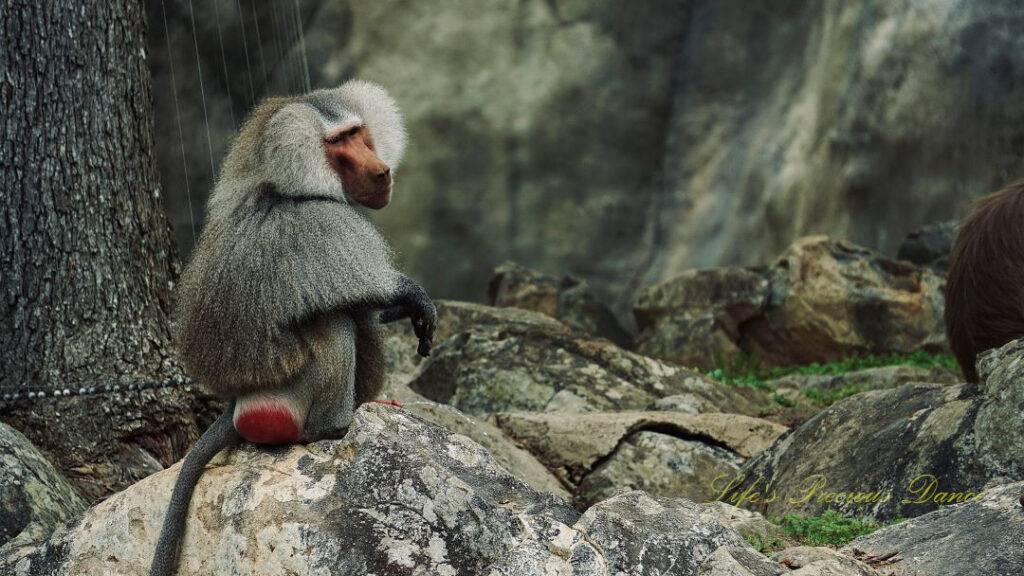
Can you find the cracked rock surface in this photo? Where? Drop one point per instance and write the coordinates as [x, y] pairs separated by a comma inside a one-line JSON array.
[[397, 495], [665, 453], [512, 366]]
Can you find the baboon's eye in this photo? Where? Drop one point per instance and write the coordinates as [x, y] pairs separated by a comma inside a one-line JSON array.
[[342, 136]]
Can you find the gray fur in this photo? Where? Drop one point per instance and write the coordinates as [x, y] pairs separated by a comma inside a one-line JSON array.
[[263, 282]]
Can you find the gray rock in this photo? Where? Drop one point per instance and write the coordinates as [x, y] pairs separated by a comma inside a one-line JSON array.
[[520, 367], [453, 317], [821, 301], [999, 427], [397, 495], [981, 537], [880, 447], [569, 299], [505, 452], [737, 561], [571, 444], [700, 395], [904, 451], [929, 245], [695, 319], [661, 465], [820, 561], [34, 498], [640, 534]]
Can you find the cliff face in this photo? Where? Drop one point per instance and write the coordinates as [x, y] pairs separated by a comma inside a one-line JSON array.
[[860, 120], [627, 143]]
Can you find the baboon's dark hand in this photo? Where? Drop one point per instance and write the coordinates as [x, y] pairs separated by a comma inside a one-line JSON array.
[[422, 313], [424, 323]]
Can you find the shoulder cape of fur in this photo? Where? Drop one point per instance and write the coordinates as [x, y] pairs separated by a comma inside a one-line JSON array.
[[267, 267]]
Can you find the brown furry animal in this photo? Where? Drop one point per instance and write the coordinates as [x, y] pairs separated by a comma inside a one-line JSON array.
[[985, 286]]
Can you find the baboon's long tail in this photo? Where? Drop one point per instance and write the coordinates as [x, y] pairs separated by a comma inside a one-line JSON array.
[[218, 436]]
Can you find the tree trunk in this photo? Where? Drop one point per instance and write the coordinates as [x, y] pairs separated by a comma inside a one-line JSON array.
[[86, 253]]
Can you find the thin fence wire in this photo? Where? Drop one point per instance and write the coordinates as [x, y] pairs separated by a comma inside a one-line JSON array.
[[302, 46], [202, 90], [224, 62], [259, 44], [293, 71], [177, 117], [245, 49]]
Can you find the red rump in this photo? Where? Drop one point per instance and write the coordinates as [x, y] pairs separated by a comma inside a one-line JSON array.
[[267, 424]]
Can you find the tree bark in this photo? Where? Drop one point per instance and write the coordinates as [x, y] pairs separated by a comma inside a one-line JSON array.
[[86, 252]]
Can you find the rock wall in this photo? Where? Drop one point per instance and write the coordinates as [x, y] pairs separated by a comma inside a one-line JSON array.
[[626, 143]]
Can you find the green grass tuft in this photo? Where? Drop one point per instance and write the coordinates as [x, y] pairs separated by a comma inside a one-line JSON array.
[[829, 529], [829, 397], [783, 401], [767, 545], [743, 369]]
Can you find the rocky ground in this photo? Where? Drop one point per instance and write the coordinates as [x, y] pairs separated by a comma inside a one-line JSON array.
[[539, 439]]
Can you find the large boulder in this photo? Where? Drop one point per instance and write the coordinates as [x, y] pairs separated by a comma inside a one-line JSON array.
[[508, 367], [569, 299], [34, 498], [981, 537], [695, 319], [505, 452], [822, 300], [899, 452], [395, 496], [453, 317], [840, 300], [999, 427], [882, 454]]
